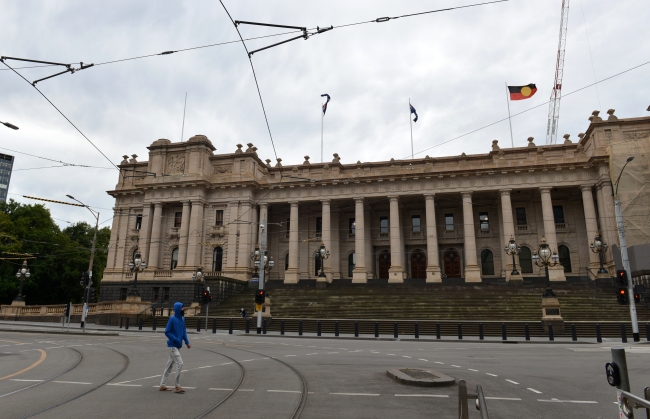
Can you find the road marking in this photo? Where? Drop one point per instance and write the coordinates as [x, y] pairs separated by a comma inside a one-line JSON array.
[[421, 395], [457, 366], [221, 389], [138, 379], [502, 398], [315, 353], [438, 362], [70, 346], [125, 385], [54, 347], [404, 356], [332, 353], [283, 391], [390, 354], [425, 360], [246, 389], [491, 375], [513, 382], [354, 394], [34, 365], [70, 382], [286, 356], [18, 379], [534, 391], [567, 401], [472, 370]]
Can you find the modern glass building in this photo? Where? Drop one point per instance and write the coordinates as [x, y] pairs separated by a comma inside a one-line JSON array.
[[6, 164]]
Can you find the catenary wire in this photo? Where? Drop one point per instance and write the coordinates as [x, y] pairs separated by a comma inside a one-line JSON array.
[[48, 159]]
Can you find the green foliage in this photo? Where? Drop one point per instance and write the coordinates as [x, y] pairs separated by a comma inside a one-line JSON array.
[[60, 255]]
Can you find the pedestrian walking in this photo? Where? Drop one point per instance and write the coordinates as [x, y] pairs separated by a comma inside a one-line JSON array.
[[176, 335], [244, 314]]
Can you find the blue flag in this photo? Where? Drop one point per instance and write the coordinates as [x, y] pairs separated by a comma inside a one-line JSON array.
[[414, 112], [325, 104]]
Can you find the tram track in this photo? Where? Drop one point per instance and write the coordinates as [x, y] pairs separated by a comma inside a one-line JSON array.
[[234, 390]]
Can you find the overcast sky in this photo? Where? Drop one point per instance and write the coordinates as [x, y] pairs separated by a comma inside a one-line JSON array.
[[452, 65]]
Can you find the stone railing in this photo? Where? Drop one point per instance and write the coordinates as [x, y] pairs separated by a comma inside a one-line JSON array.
[[162, 273], [124, 307]]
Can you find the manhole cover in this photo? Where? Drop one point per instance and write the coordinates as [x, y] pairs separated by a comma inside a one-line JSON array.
[[419, 374]]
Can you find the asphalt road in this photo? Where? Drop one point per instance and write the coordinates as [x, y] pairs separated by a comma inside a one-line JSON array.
[[250, 376]]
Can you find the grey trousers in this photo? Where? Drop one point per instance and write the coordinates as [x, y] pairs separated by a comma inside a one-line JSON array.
[[174, 358]]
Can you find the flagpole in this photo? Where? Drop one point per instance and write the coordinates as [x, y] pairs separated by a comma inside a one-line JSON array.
[[411, 124], [512, 142], [322, 117]]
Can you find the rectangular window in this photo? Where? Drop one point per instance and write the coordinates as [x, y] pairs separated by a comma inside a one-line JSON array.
[[383, 225], [483, 220], [521, 216], [319, 226], [156, 293], [449, 222], [165, 294], [415, 223], [351, 226], [218, 219], [123, 293], [138, 221], [558, 214], [178, 216]]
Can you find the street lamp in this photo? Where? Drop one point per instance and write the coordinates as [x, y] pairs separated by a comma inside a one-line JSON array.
[[198, 278], [322, 253], [600, 247], [22, 275], [624, 256], [513, 249], [136, 265], [255, 257], [545, 257], [9, 125]]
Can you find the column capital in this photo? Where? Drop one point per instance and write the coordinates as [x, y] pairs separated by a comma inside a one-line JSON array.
[[325, 201], [545, 189], [393, 198], [466, 194], [263, 205], [294, 203], [158, 205], [429, 196], [358, 200], [503, 192], [586, 187], [186, 203]]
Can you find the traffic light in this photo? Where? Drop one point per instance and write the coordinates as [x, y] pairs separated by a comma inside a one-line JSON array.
[[205, 297], [85, 279], [621, 278], [622, 296], [209, 298], [67, 310], [260, 296], [639, 290], [91, 295]]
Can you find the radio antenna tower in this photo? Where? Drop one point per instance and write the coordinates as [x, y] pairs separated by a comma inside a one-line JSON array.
[[556, 93]]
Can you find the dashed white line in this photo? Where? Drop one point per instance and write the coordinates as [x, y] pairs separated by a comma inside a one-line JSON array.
[[425, 360], [472, 370], [287, 356], [221, 389], [438, 362], [70, 382], [513, 382], [125, 385], [355, 394], [457, 366], [332, 353], [404, 356], [491, 375], [534, 391], [421, 395], [568, 401], [390, 354], [315, 353], [502, 398], [18, 379], [283, 391]]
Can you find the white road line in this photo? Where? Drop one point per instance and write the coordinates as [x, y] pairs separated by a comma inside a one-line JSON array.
[[249, 360], [70, 346], [441, 363], [355, 394], [421, 395], [425, 360], [246, 389], [513, 382], [138, 379], [315, 353], [472, 370], [54, 347], [125, 385], [567, 401], [332, 353], [404, 356], [502, 398], [491, 375], [457, 366], [283, 391], [70, 382], [286, 356], [390, 354], [534, 391], [18, 379], [221, 389]]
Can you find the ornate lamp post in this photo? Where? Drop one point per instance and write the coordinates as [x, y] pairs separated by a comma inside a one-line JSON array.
[[22, 275], [512, 248], [255, 257], [135, 266], [322, 253], [198, 278], [545, 257], [600, 247]]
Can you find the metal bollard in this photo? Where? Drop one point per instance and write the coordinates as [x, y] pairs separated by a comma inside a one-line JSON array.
[[214, 326], [417, 331], [264, 326], [480, 331], [140, 325], [647, 332], [574, 334], [336, 328], [198, 324], [230, 327], [527, 331], [550, 332], [395, 332], [623, 333], [318, 329], [356, 329], [126, 325], [154, 323], [121, 320], [460, 331], [504, 335], [282, 327], [299, 327], [599, 338], [437, 330], [376, 329]]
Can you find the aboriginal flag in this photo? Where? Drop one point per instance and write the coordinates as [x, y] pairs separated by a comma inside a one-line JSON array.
[[522, 92]]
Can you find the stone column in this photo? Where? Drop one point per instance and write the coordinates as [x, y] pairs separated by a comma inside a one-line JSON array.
[[245, 245], [185, 230], [591, 222], [291, 275], [555, 273], [233, 233], [195, 236], [144, 241], [396, 272], [359, 275], [335, 259], [433, 267], [156, 238], [508, 226], [327, 238], [604, 224], [472, 270]]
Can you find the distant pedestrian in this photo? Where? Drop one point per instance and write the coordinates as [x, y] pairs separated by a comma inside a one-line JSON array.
[[244, 314], [176, 333]]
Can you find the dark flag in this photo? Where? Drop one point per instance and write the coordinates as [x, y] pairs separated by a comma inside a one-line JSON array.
[[522, 92], [325, 104], [414, 112]]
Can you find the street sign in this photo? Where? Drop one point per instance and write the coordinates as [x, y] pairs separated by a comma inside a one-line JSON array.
[[613, 376]]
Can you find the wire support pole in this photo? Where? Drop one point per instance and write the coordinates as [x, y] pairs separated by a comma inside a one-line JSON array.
[[512, 141], [262, 271], [626, 266], [184, 108], [322, 118], [556, 93], [411, 124]]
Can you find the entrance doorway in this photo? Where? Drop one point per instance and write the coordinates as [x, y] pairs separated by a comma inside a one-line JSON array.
[[384, 264], [418, 264], [451, 261]]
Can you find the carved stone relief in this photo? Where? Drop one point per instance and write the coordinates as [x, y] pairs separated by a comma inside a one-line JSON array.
[[637, 135], [224, 168], [175, 163]]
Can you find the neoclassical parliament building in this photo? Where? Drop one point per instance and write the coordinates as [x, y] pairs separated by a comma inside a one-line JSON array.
[[436, 220]]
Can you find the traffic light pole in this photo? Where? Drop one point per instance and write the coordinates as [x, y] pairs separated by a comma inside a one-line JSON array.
[[626, 266], [262, 272], [90, 276]]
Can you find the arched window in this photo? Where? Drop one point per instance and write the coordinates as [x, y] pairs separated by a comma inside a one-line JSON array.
[[565, 258], [352, 261], [487, 262], [317, 264], [286, 262], [525, 260], [174, 261], [217, 259]]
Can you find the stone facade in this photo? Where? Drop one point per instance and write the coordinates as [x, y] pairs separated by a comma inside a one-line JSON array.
[[432, 218]]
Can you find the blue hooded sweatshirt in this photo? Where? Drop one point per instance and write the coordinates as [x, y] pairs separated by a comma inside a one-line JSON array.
[[175, 330]]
